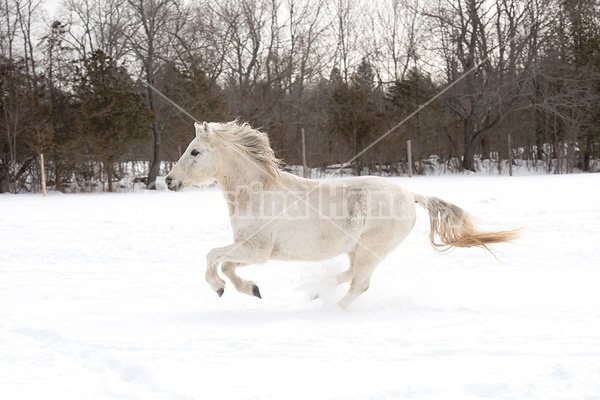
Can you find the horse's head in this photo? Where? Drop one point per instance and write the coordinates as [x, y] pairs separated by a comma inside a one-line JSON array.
[[198, 163]]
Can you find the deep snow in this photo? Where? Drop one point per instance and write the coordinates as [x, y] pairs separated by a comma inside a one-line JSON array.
[[103, 296]]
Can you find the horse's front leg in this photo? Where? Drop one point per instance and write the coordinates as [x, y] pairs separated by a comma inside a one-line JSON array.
[[230, 257], [241, 285]]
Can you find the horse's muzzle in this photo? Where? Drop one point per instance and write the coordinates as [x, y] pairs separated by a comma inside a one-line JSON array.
[[173, 184]]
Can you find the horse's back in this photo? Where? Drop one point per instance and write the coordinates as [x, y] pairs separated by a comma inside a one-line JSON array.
[[341, 212]]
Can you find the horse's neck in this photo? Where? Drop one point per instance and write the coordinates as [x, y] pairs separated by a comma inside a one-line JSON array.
[[239, 181], [241, 177]]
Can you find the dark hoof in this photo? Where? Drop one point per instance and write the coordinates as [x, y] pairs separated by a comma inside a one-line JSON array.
[[255, 291], [220, 291]]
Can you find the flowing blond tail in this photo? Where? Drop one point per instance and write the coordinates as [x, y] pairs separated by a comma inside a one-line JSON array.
[[455, 228]]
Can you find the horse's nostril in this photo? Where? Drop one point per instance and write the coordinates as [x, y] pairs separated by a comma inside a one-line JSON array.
[[168, 180]]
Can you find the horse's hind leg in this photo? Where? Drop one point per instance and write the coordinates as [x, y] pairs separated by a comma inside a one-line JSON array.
[[241, 285], [365, 262]]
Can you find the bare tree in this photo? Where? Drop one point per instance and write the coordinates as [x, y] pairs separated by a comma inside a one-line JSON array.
[[307, 52], [565, 85], [17, 87], [27, 14], [346, 34], [489, 53], [203, 42], [245, 23], [99, 25], [8, 30], [150, 39], [397, 26]]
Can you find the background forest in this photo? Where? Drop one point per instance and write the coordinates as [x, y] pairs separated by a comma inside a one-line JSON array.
[[518, 76]]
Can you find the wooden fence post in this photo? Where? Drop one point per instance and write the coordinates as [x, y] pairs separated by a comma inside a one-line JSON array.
[[43, 174], [303, 154], [409, 151], [510, 158]]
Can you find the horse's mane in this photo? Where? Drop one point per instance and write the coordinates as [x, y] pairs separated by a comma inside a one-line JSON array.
[[252, 142]]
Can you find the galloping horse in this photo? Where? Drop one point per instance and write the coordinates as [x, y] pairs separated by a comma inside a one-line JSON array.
[[280, 216]]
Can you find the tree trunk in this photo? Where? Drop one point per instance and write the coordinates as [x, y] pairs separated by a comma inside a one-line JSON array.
[[486, 149], [156, 158], [4, 185], [539, 138], [22, 170], [157, 144], [585, 155], [468, 161], [109, 175], [468, 157], [59, 187]]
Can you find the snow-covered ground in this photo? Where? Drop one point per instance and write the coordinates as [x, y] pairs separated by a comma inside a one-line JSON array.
[[103, 296]]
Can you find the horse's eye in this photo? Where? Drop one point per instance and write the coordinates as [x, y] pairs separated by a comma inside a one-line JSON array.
[[195, 153]]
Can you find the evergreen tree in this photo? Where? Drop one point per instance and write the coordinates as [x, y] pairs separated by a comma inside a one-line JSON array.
[[353, 111], [113, 116]]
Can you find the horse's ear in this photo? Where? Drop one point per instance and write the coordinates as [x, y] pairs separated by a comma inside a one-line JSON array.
[[203, 129], [198, 128]]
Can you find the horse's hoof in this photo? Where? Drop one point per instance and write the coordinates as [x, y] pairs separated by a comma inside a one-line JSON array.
[[255, 291], [220, 291]]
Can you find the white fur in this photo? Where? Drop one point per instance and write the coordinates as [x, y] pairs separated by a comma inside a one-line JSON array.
[[280, 216]]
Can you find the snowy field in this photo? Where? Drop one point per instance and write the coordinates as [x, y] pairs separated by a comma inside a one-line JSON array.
[[102, 296]]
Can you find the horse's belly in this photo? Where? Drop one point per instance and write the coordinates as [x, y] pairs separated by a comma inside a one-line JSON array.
[[317, 248]]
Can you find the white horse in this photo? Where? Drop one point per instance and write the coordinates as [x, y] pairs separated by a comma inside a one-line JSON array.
[[280, 216]]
